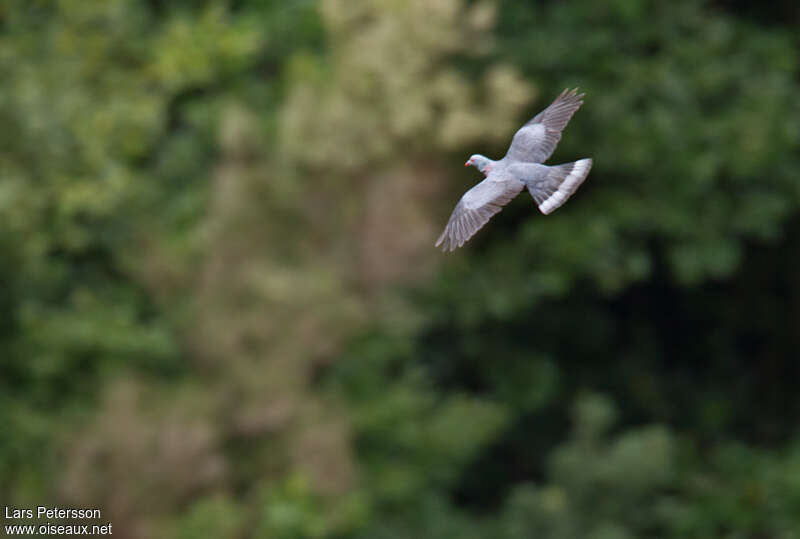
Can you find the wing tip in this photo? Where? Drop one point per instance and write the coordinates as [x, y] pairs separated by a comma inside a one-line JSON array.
[[573, 93], [449, 243], [445, 241]]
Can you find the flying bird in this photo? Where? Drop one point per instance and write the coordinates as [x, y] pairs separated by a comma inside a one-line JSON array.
[[521, 167]]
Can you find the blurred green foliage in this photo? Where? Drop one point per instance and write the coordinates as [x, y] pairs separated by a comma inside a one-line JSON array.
[[221, 314]]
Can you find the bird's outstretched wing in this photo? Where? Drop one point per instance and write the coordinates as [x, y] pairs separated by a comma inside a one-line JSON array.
[[536, 140], [476, 207]]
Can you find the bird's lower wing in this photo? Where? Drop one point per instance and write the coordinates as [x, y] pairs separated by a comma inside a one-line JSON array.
[[476, 207]]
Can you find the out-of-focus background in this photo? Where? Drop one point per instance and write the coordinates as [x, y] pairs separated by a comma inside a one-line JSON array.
[[222, 315]]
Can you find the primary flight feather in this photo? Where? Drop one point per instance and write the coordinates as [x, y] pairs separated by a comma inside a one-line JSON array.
[[520, 168]]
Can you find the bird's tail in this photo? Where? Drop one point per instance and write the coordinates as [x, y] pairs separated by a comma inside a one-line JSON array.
[[559, 184]]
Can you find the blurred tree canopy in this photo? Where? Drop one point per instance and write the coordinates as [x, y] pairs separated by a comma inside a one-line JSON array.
[[222, 315]]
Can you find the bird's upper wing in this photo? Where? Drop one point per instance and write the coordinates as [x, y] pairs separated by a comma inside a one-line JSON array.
[[476, 207], [536, 140]]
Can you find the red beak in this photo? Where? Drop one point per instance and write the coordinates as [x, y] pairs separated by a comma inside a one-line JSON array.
[[466, 164]]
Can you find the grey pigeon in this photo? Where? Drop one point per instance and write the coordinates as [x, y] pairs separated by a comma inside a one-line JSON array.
[[521, 167]]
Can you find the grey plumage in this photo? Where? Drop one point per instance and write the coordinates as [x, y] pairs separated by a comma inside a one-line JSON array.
[[550, 186]]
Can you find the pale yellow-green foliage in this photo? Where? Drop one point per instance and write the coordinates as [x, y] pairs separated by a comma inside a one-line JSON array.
[[388, 91]]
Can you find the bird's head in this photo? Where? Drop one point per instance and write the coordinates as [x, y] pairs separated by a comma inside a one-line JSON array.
[[481, 162]]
